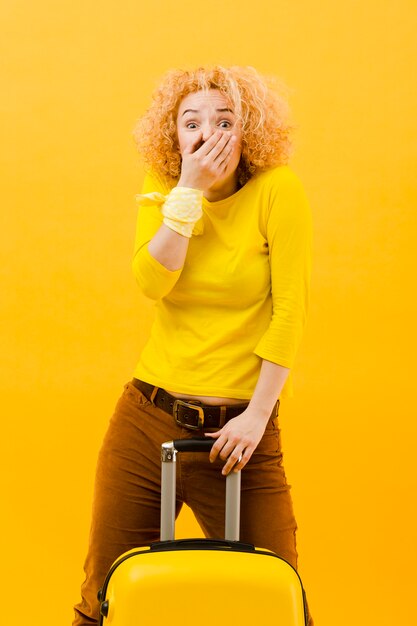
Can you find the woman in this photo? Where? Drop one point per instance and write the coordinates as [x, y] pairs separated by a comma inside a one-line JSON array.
[[223, 246]]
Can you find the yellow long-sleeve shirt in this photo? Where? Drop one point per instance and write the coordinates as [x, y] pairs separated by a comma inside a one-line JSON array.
[[242, 295]]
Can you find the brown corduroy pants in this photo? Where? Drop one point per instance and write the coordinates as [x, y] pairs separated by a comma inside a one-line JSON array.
[[126, 505]]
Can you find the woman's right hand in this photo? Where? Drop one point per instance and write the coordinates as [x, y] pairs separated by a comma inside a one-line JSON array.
[[204, 166]]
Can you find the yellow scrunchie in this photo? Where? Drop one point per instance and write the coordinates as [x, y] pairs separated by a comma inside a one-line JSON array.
[[181, 208]]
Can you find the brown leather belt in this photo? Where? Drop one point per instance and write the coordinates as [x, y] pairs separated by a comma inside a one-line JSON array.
[[192, 415]]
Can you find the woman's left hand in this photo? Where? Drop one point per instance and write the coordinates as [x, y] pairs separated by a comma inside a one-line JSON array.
[[238, 439]]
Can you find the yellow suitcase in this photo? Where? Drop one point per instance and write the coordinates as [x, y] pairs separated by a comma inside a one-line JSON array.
[[198, 582]]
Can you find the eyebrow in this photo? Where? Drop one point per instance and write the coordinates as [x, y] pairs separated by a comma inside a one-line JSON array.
[[195, 111]]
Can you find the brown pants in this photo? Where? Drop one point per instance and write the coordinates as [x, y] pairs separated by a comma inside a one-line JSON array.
[[126, 506]]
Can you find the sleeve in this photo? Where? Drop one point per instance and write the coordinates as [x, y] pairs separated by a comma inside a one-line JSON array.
[[153, 278], [289, 236]]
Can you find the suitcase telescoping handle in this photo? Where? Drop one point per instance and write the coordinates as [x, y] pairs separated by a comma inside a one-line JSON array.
[[168, 488]]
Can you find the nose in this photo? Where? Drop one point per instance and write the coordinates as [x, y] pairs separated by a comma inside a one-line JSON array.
[[207, 131]]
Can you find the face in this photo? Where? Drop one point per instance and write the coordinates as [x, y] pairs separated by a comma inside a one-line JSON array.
[[208, 112]]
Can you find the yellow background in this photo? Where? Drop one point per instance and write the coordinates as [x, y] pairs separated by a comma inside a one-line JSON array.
[[77, 74]]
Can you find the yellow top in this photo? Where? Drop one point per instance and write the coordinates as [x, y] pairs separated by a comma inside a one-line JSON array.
[[242, 295]]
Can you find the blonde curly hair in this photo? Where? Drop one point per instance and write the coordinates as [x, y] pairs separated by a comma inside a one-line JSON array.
[[258, 102]]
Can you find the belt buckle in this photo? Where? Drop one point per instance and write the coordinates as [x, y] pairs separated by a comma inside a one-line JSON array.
[[193, 407]]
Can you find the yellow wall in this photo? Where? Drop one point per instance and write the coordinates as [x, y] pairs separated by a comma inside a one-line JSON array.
[[77, 76]]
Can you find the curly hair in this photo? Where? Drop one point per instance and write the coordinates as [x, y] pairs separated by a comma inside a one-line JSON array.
[[258, 103]]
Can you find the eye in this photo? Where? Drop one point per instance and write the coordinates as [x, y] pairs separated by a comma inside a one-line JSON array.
[[191, 125], [225, 124]]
